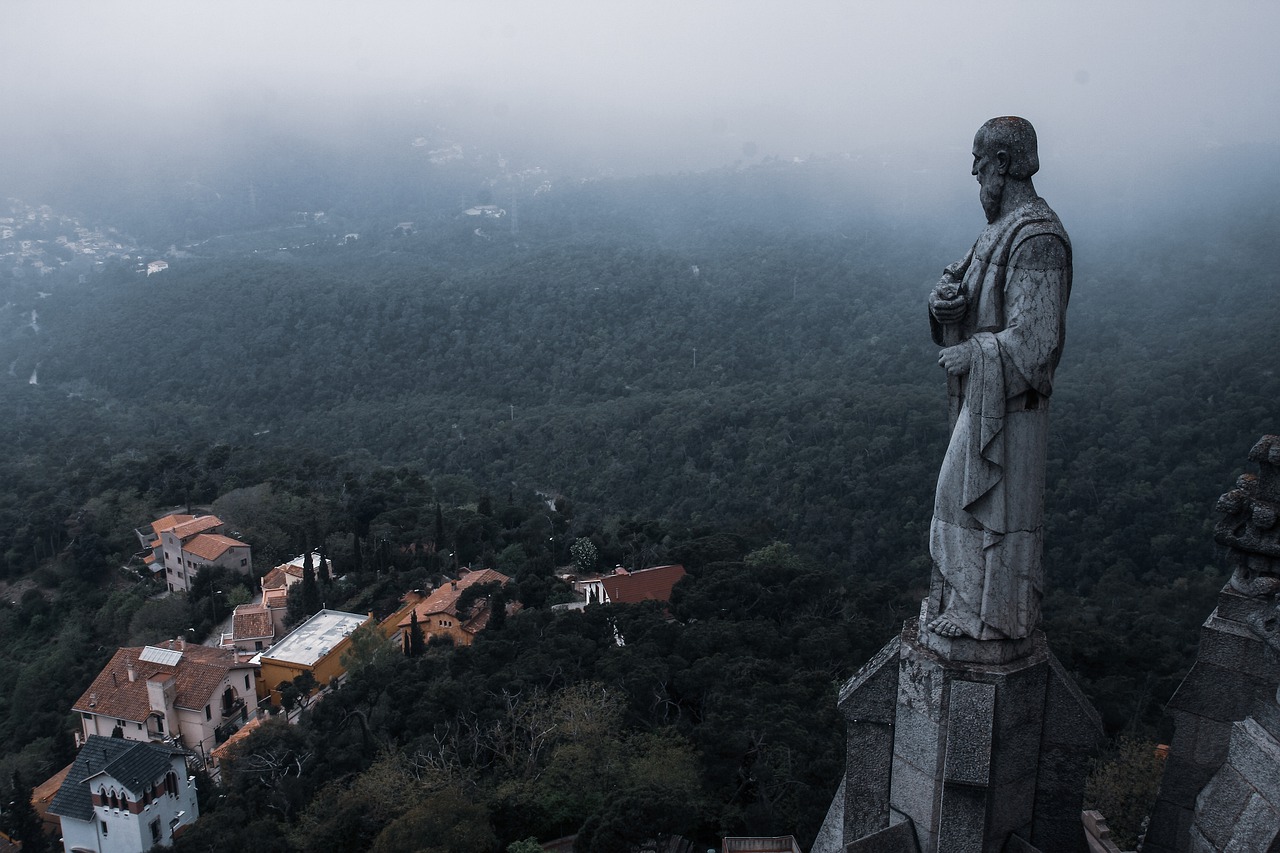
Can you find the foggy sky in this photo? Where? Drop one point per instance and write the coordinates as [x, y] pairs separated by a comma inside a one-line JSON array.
[[1111, 87]]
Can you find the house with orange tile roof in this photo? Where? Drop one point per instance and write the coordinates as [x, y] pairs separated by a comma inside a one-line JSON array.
[[624, 587], [185, 544], [439, 616], [277, 583], [175, 692], [252, 630]]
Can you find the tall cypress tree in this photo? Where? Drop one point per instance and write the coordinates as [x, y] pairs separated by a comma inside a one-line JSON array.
[[20, 819], [322, 571], [417, 642], [310, 591], [497, 610]]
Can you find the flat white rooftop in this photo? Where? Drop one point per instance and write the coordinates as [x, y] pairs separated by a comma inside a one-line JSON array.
[[315, 638]]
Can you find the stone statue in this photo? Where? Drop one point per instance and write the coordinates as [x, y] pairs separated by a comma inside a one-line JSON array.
[[999, 314], [1250, 527]]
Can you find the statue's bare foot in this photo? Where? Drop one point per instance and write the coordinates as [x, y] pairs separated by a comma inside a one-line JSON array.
[[943, 626]]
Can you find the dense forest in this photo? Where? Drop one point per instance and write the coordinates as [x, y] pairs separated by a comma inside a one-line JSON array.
[[729, 369]]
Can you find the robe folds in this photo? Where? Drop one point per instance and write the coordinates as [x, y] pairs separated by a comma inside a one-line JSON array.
[[986, 537]]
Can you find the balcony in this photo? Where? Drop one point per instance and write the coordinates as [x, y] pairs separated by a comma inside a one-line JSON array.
[[234, 715]]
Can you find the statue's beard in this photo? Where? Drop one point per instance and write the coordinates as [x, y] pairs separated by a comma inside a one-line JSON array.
[[991, 193]]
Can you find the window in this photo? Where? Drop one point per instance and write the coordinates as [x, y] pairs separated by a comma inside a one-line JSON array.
[[169, 569], [244, 562], [246, 678], [208, 713], [155, 831], [160, 724], [257, 647], [104, 829]]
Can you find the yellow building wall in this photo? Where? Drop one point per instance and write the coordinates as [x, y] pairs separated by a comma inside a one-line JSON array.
[[445, 625], [324, 670]]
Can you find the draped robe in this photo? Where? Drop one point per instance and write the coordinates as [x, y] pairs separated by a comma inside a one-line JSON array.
[[986, 537]]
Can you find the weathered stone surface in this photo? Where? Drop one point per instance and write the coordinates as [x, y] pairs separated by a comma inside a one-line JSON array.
[[830, 838], [967, 650], [867, 695], [962, 826], [915, 795], [986, 536], [1071, 734], [1235, 675], [1255, 755], [970, 727], [1249, 528], [1219, 694], [867, 702], [899, 838], [1256, 828], [1016, 845], [1228, 643], [1220, 804]]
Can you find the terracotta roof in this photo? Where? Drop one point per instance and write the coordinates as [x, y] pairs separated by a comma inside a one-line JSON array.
[[445, 598], [42, 795], [243, 732], [652, 584], [251, 622], [282, 576], [389, 625], [278, 597], [482, 612], [199, 524], [211, 546], [160, 525], [197, 676]]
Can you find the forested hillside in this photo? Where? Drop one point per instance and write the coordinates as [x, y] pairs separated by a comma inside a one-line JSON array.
[[741, 352]]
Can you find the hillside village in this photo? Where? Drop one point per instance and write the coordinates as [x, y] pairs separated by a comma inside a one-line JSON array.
[[159, 719]]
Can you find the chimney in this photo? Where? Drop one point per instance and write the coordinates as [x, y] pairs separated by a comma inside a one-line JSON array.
[[455, 584], [182, 644], [133, 673]]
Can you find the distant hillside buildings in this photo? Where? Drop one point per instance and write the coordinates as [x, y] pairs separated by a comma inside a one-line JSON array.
[[181, 545]]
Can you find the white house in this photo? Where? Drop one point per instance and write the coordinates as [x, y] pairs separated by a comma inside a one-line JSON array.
[[124, 796], [196, 695]]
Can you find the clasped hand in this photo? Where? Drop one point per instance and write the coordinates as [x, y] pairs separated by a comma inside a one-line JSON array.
[[946, 303]]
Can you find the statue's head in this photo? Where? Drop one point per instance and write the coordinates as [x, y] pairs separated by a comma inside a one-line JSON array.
[[1004, 149]]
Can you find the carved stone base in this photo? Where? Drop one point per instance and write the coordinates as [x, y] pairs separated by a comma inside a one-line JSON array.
[[974, 756], [1236, 674]]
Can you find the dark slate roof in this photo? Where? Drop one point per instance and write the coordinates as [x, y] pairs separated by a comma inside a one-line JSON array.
[[131, 763]]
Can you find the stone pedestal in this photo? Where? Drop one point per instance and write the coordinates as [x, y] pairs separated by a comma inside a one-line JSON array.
[[958, 746], [1236, 674]]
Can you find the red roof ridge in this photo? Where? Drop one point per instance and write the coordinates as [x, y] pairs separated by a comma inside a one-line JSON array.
[[444, 598]]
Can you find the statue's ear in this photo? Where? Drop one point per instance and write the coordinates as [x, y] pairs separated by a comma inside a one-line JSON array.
[[1002, 162]]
